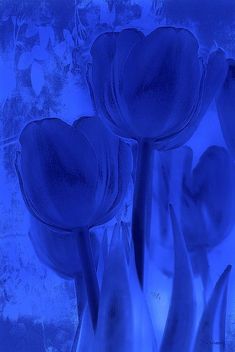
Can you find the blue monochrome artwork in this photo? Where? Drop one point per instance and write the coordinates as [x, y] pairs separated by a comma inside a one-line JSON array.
[[117, 175]]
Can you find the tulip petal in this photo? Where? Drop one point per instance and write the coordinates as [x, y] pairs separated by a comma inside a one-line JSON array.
[[226, 107], [103, 107], [205, 340], [124, 161], [106, 149], [105, 44], [214, 192], [99, 73], [211, 82], [126, 40], [116, 161], [181, 135], [179, 328], [57, 251], [115, 105], [162, 81], [115, 48]]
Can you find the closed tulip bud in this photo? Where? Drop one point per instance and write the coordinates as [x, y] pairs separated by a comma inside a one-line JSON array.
[[208, 206], [72, 176], [209, 200]]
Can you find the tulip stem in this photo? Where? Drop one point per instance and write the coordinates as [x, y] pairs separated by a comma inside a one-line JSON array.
[[142, 202], [89, 273]]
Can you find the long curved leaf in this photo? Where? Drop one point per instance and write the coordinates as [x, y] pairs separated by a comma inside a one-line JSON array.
[[179, 328], [115, 322], [205, 339]]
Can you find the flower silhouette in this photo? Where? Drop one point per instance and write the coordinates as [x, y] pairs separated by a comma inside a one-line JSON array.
[[73, 178], [207, 205], [208, 199], [153, 89]]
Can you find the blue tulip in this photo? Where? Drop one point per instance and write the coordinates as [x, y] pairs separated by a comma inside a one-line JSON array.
[[73, 178], [204, 197], [226, 107], [208, 206], [208, 203], [153, 89]]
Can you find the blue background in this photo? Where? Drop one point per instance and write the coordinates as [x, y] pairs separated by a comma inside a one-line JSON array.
[[44, 48]]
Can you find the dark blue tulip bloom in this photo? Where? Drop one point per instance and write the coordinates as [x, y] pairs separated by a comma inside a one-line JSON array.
[[153, 89], [208, 206], [204, 195], [226, 107], [72, 176], [208, 203]]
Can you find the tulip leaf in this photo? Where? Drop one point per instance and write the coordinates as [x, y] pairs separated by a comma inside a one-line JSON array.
[[178, 332], [205, 340], [115, 322]]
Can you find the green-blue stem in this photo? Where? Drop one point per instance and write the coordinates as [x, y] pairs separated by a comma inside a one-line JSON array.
[[141, 213]]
